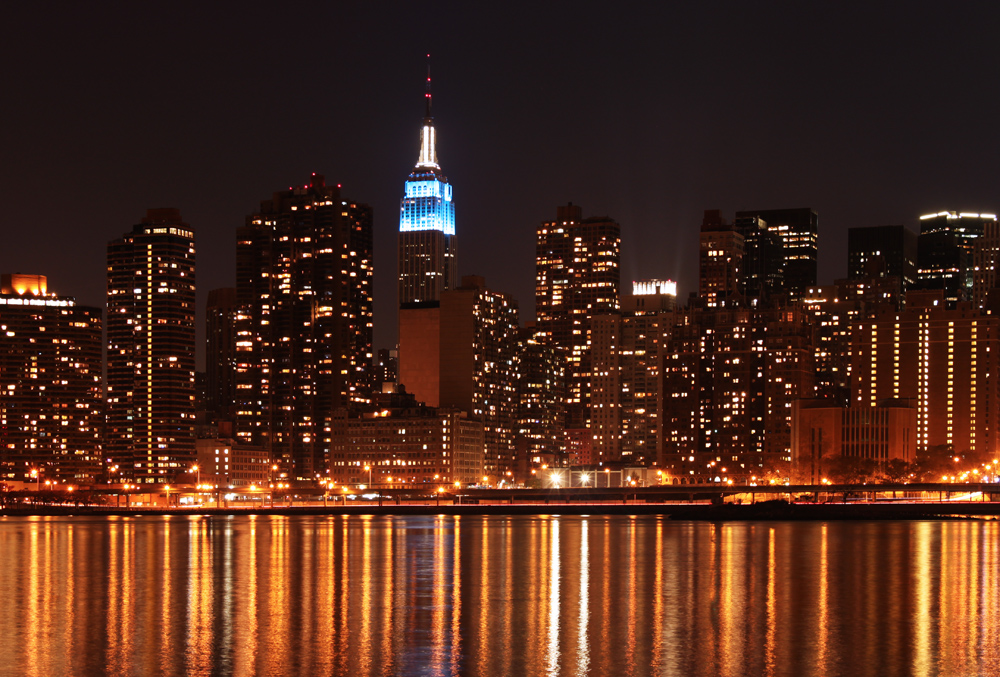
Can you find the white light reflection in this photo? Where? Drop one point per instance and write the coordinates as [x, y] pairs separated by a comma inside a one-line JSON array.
[[552, 654], [583, 641]]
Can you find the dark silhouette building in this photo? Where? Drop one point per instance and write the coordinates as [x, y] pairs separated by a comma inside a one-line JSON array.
[[798, 230], [220, 352], [945, 252], [882, 250]]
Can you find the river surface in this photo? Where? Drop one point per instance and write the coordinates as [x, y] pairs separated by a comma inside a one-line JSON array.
[[536, 595]]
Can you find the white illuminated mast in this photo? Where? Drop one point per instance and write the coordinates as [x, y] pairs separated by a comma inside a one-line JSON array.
[[428, 142]]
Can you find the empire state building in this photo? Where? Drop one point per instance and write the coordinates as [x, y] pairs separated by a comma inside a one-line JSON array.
[[428, 262]]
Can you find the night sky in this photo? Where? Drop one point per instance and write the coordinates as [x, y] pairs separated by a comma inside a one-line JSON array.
[[870, 113]]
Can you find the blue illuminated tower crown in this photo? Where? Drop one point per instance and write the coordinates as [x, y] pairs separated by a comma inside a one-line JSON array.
[[427, 242]]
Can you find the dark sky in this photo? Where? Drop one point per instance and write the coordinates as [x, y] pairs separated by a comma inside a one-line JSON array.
[[871, 113]]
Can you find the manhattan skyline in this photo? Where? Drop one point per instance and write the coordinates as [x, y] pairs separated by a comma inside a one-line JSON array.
[[870, 117]]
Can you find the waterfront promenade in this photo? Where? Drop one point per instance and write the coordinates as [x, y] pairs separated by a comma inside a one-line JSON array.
[[686, 502]]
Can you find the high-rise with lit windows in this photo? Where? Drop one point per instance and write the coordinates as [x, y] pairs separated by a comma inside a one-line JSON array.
[[150, 333], [428, 248], [798, 230], [577, 276], [720, 262], [462, 352], [626, 401], [946, 252], [729, 379], [51, 412], [304, 325], [942, 360]]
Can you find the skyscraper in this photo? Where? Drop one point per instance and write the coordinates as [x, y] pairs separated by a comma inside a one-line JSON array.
[[462, 352], [51, 412], [542, 401], [150, 369], [628, 351], [729, 378], [763, 259], [577, 276], [944, 361], [720, 262], [220, 351], [798, 230], [304, 327], [945, 252], [892, 250], [428, 248]]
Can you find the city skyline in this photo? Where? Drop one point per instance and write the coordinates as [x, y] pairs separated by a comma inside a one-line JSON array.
[[651, 130]]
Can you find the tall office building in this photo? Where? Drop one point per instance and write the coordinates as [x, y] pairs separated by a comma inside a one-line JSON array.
[[462, 352], [798, 230], [150, 333], [577, 275], [51, 411], [304, 327], [946, 251], [883, 250], [428, 248], [220, 352], [720, 262], [985, 260], [763, 259]]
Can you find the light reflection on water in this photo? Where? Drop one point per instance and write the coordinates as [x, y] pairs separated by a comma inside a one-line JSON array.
[[441, 595]]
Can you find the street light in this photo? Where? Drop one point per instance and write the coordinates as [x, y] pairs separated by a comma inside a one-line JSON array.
[[368, 467], [197, 469]]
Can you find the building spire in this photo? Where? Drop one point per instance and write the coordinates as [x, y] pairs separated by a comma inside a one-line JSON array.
[[428, 142], [427, 94]]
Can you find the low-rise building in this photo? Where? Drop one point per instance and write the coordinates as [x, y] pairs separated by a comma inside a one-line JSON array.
[[406, 444]]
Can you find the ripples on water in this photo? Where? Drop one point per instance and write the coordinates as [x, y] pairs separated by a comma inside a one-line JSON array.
[[496, 596]]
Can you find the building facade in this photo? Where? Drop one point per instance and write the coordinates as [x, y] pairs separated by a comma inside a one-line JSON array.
[[151, 347], [577, 276], [406, 445], [720, 262], [729, 380], [428, 247], [946, 252], [462, 352], [628, 353], [304, 266], [541, 419], [798, 230], [220, 352], [943, 360], [883, 250], [51, 392], [822, 434]]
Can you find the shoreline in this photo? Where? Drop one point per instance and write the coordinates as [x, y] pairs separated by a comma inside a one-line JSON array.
[[766, 510]]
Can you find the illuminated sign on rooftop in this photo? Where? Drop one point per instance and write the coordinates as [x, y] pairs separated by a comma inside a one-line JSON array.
[[651, 287]]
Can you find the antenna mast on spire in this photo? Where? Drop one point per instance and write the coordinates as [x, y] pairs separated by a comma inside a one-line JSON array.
[[427, 94]]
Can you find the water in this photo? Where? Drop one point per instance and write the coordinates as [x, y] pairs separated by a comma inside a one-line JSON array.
[[539, 595]]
